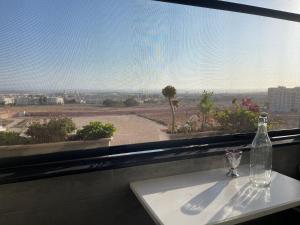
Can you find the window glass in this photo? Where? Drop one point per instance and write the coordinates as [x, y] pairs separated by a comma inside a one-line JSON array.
[[76, 73]]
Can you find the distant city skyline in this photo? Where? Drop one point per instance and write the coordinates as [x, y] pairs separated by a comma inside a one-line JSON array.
[[131, 91], [142, 45]]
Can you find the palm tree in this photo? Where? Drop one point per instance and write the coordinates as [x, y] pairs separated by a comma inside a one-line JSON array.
[[206, 106], [170, 92]]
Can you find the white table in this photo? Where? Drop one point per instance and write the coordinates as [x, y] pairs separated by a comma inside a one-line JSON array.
[[209, 197]]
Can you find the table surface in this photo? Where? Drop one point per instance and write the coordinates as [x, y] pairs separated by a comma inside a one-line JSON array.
[[209, 197]]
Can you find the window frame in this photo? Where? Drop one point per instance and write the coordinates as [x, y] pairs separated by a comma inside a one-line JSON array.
[[17, 169]]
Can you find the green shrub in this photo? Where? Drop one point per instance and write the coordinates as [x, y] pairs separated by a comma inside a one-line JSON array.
[[131, 102], [96, 130], [57, 129], [12, 138], [237, 120], [112, 103]]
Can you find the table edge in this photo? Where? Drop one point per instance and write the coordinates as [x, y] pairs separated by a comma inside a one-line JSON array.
[[238, 219]]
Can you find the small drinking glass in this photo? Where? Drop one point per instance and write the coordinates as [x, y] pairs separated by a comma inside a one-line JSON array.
[[233, 158]]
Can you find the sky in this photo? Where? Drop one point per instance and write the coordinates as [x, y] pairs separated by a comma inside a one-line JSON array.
[[143, 45]]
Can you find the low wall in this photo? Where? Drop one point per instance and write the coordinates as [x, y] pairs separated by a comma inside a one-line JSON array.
[[37, 149], [104, 197]]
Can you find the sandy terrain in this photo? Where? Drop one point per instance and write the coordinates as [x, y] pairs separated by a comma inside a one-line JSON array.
[[159, 112]]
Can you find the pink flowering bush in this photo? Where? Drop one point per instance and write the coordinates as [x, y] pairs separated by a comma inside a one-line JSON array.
[[250, 105], [239, 118]]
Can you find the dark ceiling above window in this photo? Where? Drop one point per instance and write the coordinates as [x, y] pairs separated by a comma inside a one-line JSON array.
[[237, 7], [292, 6]]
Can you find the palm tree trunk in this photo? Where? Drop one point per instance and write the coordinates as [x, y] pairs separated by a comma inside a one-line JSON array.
[[173, 116], [203, 121]]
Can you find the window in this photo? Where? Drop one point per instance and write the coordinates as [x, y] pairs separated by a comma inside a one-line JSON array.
[[78, 75]]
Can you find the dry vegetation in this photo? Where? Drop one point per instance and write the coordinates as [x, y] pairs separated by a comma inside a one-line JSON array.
[[159, 113]]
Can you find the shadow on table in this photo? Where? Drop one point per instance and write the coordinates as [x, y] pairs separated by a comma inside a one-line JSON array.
[[202, 200], [184, 180], [241, 202]]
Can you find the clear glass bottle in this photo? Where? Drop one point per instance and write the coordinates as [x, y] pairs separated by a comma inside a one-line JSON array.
[[261, 155]]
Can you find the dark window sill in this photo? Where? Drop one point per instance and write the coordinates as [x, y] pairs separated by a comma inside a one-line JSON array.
[[58, 164]]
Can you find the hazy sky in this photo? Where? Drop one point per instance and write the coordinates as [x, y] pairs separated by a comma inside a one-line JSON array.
[[144, 45]]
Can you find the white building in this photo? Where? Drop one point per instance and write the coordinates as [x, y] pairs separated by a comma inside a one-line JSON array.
[[7, 100], [282, 99], [55, 101], [2, 129]]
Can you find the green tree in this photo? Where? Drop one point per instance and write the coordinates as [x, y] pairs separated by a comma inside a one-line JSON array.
[[131, 102], [170, 92], [57, 129], [12, 138], [206, 106], [43, 100]]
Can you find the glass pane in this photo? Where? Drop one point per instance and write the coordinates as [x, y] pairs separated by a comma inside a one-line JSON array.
[[64, 64]]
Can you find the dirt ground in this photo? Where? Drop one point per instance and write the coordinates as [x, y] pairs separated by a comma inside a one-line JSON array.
[[159, 112]]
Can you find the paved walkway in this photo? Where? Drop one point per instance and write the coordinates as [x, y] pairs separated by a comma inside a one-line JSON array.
[[131, 129]]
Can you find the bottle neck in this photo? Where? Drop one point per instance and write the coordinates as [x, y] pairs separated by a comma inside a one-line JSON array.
[[262, 127]]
